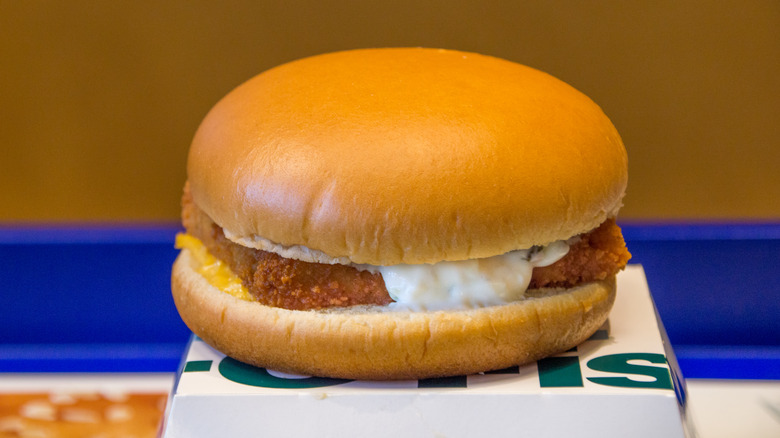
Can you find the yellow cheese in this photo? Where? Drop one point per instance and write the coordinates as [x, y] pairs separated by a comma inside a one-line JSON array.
[[216, 272]]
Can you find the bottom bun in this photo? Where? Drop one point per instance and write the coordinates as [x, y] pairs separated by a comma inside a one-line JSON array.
[[375, 343]]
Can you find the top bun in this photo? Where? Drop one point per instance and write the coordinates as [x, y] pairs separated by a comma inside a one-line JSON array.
[[409, 155]]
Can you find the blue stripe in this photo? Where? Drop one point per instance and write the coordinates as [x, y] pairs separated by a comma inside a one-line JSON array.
[[729, 362], [637, 231], [90, 358], [103, 233]]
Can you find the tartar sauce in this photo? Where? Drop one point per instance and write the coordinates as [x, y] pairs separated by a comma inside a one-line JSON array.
[[467, 283]]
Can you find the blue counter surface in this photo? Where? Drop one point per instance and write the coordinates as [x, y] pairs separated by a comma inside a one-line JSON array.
[[96, 298]]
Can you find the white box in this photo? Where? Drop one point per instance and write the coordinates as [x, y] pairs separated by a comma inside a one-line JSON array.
[[619, 383]]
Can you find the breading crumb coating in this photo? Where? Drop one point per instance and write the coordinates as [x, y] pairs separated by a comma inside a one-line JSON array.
[[292, 284]]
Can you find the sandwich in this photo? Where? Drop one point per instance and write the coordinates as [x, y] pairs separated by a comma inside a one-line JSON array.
[[400, 213]]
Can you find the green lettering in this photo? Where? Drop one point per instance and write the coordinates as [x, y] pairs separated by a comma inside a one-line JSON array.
[[558, 372], [618, 363], [239, 372], [197, 366]]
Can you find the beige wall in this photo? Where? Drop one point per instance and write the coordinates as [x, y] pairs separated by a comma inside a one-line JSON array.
[[99, 100]]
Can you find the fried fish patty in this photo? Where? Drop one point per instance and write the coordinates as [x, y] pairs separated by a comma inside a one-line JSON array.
[[277, 281]]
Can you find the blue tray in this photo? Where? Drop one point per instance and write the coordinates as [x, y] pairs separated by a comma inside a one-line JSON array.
[[97, 298]]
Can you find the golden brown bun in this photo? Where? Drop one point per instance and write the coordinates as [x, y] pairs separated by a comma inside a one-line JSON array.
[[378, 344], [387, 156]]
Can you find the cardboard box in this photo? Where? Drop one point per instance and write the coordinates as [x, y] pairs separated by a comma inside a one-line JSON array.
[[622, 382]]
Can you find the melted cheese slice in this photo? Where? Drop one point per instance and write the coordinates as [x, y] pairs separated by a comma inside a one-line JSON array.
[[215, 271]]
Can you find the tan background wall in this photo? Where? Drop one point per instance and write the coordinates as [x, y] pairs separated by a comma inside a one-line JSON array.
[[99, 100]]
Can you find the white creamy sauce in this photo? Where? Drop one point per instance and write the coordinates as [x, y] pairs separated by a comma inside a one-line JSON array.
[[297, 252], [468, 283], [444, 285]]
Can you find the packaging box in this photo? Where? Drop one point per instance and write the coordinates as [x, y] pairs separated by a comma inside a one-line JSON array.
[[622, 382]]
